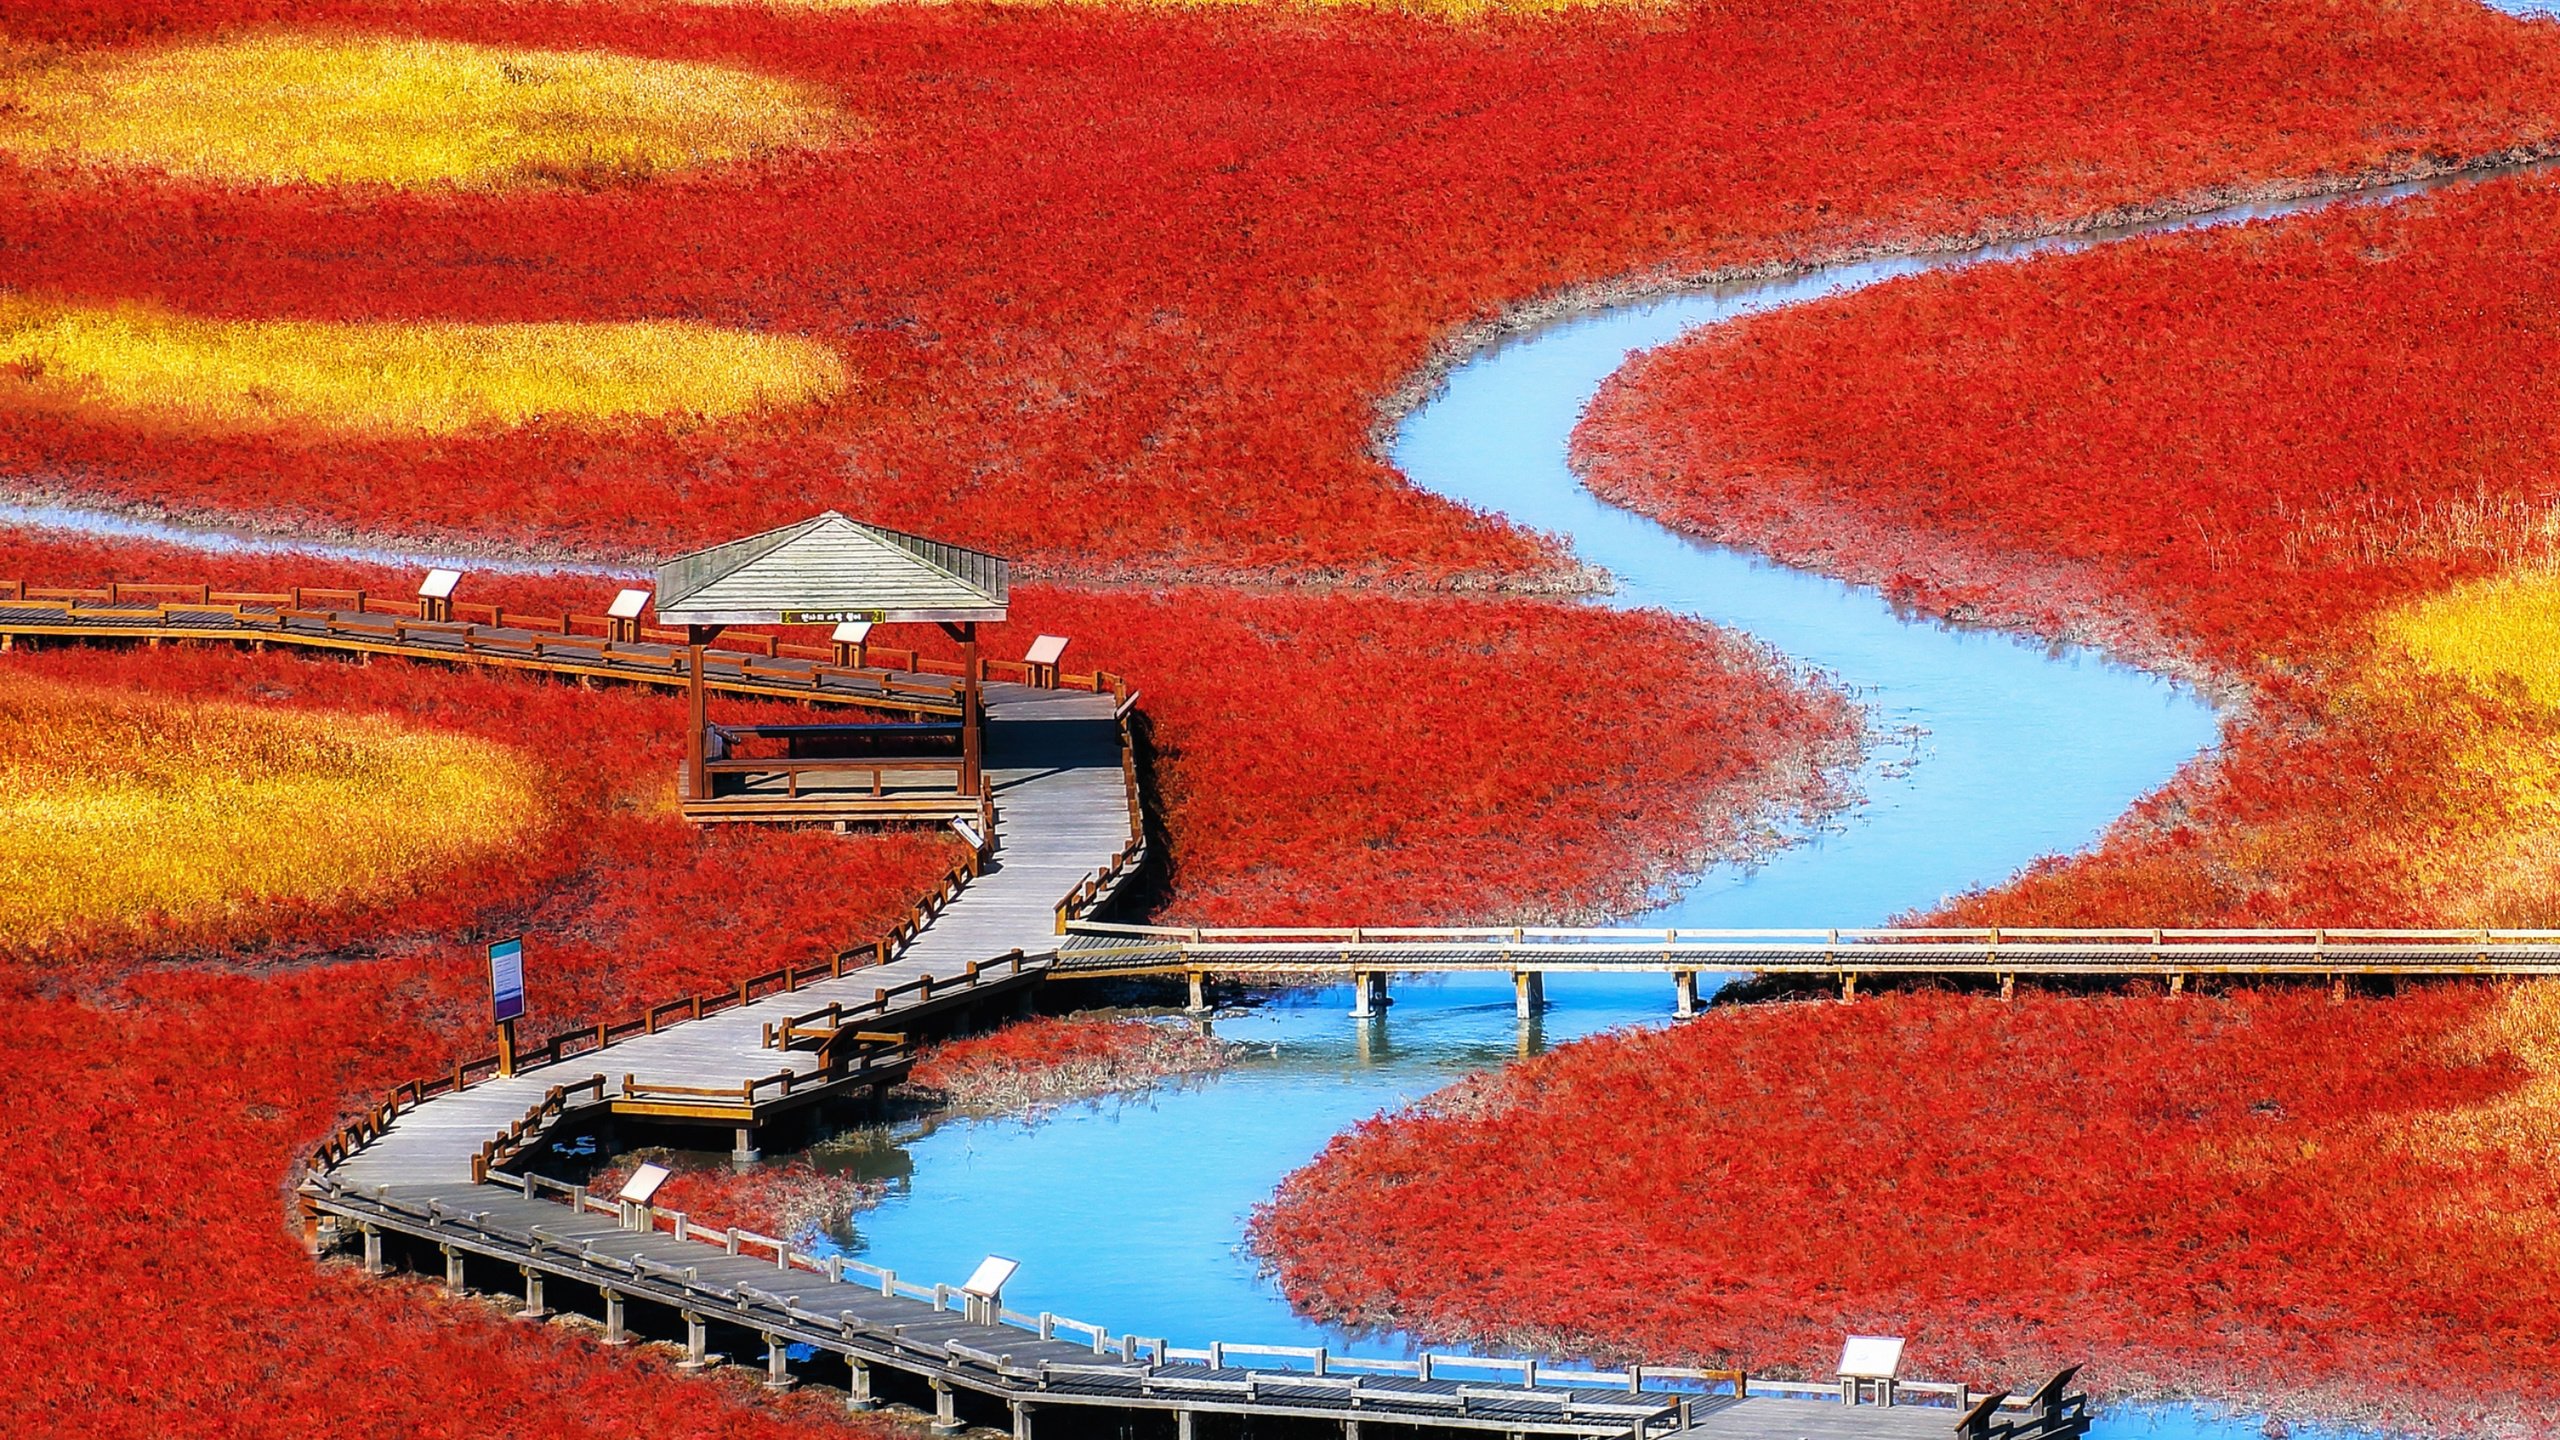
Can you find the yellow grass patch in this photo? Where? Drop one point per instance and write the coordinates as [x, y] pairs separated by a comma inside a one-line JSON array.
[[272, 109], [139, 363], [2501, 635], [121, 810]]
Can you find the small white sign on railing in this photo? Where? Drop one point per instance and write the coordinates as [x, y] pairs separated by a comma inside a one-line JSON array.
[[627, 605], [984, 1290], [439, 584], [644, 1182], [987, 1281]]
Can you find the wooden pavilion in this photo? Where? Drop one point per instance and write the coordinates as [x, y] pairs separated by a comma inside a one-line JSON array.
[[838, 572]]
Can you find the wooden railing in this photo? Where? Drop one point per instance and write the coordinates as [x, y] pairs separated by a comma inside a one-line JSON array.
[[2005, 952], [1224, 1370], [835, 1015], [273, 614], [520, 1135], [878, 770], [368, 1127]]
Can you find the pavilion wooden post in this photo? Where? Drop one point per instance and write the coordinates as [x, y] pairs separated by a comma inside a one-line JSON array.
[[972, 707], [697, 781]]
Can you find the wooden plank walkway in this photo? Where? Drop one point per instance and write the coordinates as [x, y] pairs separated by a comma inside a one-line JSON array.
[[1097, 948]]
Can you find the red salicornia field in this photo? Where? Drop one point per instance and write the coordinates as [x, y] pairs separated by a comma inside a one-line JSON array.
[[1133, 293]]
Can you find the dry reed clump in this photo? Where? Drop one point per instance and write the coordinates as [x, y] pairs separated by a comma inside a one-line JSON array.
[[131, 812], [1051, 1061], [286, 107], [793, 1200], [141, 364]]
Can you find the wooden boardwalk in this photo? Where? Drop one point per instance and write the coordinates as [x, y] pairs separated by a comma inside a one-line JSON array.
[[591, 647], [445, 1172]]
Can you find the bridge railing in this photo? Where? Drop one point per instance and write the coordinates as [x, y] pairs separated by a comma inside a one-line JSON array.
[[370, 1125], [1884, 950], [1123, 1362]]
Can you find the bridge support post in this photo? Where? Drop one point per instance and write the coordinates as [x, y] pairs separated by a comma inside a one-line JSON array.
[[946, 1414], [616, 1331], [2177, 982], [697, 1343], [452, 1268], [1350, 1430], [1528, 992], [1368, 994], [2008, 987], [1848, 986], [1684, 994], [745, 1153], [533, 1309], [1021, 1421], [777, 1363], [1182, 1425], [373, 1251], [858, 1398], [1199, 992]]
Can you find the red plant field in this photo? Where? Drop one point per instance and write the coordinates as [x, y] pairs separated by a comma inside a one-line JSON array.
[[2268, 1197], [1123, 289], [1122, 292], [2248, 454]]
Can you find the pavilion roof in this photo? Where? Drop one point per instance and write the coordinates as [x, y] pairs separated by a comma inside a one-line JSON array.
[[828, 569]]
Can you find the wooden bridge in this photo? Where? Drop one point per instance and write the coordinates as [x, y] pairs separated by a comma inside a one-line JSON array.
[[1367, 955]]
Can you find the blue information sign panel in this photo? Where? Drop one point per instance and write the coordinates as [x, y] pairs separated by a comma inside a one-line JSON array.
[[506, 980]]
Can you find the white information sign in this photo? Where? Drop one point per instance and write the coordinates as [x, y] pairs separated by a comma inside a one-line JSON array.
[[644, 1182], [1871, 1357], [439, 585], [987, 1281]]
